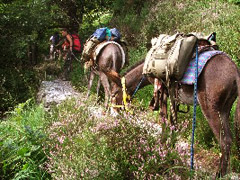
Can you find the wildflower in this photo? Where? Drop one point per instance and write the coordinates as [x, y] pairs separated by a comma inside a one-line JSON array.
[[61, 139]]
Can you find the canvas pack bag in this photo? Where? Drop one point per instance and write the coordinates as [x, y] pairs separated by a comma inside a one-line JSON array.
[[169, 55], [89, 47], [180, 55]]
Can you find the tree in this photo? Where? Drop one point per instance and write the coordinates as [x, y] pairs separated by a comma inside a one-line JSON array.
[[26, 26]]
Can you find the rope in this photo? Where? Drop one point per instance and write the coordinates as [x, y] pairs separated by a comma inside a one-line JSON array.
[[138, 86], [172, 109], [194, 111], [76, 57]]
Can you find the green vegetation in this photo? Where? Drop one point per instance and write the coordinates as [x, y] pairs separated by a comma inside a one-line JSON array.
[[106, 148], [69, 142], [22, 154]]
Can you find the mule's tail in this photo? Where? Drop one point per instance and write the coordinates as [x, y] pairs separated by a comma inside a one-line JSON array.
[[113, 76], [237, 116]]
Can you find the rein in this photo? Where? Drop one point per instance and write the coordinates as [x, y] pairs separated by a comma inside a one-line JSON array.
[[76, 57], [135, 91]]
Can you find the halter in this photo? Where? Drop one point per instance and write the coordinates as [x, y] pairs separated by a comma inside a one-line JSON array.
[[126, 96]]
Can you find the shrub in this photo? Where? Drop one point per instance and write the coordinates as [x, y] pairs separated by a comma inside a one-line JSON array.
[[21, 139], [83, 146]]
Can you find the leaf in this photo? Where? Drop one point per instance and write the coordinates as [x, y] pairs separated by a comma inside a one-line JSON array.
[[22, 151], [25, 166]]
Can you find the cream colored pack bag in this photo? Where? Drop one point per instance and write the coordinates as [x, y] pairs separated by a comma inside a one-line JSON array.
[[180, 55], [169, 54]]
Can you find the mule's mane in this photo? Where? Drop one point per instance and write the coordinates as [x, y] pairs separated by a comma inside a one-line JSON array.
[[133, 66]]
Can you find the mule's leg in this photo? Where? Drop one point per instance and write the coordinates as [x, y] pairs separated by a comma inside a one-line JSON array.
[[217, 115], [98, 86], [90, 81], [237, 119], [226, 143], [154, 103], [163, 104], [237, 125], [106, 85]]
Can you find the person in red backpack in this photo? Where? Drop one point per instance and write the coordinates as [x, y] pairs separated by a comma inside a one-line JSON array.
[[76, 43], [67, 47], [68, 42]]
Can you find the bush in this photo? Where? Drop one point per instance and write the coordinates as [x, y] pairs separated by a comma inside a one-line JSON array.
[[83, 146], [17, 86], [21, 140]]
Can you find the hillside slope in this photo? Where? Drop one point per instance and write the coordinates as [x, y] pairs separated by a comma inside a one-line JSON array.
[[140, 21]]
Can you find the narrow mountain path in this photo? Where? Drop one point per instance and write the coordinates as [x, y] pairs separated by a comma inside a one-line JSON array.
[[56, 91]]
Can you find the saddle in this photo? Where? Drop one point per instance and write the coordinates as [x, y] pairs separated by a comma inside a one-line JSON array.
[[205, 44], [100, 47], [170, 55], [94, 48]]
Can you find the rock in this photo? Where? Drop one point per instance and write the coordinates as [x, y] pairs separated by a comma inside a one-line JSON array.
[[54, 92]]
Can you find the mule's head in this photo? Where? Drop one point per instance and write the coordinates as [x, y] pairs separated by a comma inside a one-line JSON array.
[[116, 91], [123, 88], [117, 95]]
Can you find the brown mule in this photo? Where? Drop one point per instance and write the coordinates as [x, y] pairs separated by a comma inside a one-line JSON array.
[[218, 88], [109, 60]]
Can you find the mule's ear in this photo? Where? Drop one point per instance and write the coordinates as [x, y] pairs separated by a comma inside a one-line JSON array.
[[114, 76]]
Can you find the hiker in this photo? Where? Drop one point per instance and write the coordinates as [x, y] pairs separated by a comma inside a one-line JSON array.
[[54, 39], [67, 48]]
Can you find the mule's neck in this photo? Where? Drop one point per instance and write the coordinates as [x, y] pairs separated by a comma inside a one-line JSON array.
[[134, 77]]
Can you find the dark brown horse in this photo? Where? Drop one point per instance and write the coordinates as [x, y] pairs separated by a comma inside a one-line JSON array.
[[110, 59], [218, 88]]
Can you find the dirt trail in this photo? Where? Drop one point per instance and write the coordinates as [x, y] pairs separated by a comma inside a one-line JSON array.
[[54, 92]]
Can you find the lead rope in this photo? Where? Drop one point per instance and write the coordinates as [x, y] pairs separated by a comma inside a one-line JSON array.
[[138, 86], [171, 96], [194, 112]]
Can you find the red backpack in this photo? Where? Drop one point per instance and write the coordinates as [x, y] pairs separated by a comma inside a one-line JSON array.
[[76, 43]]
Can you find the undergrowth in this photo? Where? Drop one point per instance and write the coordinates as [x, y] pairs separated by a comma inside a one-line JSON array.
[[22, 153], [83, 146]]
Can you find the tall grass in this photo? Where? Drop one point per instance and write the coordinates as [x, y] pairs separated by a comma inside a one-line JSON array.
[[86, 144], [21, 143]]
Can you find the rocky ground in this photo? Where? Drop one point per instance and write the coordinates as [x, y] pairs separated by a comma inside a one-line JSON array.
[[54, 92]]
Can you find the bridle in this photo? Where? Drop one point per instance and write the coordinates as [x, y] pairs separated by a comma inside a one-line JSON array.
[[126, 96]]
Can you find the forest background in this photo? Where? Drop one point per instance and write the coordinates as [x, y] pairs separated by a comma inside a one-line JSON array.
[[26, 26]]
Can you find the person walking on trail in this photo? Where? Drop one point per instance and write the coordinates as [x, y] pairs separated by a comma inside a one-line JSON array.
[[67, 47], [54, 39]]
